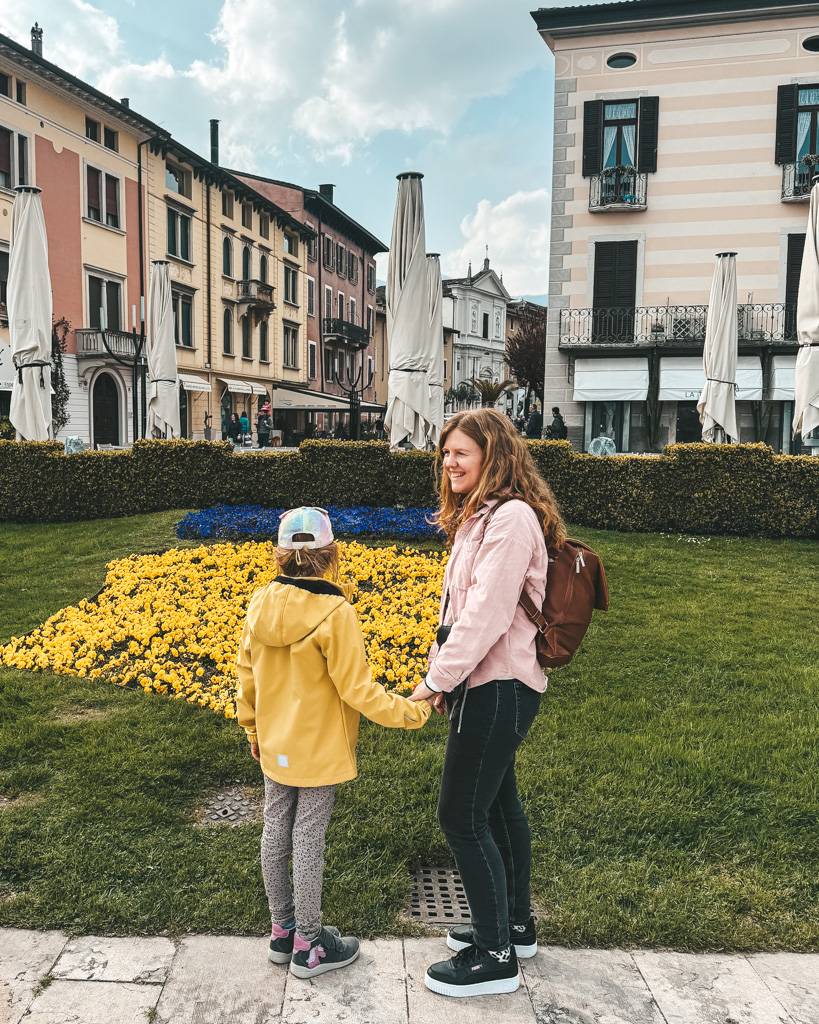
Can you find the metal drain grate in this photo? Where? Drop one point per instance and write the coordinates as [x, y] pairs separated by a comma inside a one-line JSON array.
[[438, 896], [237, 806]]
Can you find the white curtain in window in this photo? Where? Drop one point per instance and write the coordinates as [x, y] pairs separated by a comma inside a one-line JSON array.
[[629, 133], [620, 111], [803, 135], [609, 148]]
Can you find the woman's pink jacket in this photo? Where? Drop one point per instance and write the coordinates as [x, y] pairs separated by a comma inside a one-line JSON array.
[[492, 638]]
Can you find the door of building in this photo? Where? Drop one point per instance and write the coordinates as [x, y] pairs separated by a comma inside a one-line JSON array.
[[106, 410], [607, 421], [183, 413], [615, 291], [689, 428]]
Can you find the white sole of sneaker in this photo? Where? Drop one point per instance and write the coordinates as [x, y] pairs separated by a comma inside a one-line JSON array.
[[482, 988], [314, 972], [278, 958], [523, 952]]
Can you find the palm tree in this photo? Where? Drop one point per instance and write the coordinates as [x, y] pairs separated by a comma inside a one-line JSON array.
[[490, 391]]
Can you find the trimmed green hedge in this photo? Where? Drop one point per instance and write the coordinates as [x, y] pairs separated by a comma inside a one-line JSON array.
[[692, 488]]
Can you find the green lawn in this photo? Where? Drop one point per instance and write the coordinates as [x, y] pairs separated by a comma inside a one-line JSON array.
[[671, 776]]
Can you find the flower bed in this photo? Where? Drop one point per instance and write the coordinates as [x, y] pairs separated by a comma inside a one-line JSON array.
[[230, 522], [171, 623]]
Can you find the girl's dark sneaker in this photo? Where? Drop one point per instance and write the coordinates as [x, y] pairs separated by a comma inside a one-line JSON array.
[[474, 972], [281, 943], [524, 938], [327, 952]]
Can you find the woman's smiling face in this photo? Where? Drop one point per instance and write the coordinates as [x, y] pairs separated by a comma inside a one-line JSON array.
[[463, 459]]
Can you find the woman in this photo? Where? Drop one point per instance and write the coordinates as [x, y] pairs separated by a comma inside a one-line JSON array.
[[234, 429], [496, 511]]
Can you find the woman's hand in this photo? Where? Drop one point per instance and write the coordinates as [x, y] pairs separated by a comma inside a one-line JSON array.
[[254, 751], [435, 700]]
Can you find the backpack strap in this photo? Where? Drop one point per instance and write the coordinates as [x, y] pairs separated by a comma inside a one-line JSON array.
[[534, 613]]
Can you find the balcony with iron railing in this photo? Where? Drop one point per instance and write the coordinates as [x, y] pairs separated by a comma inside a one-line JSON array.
[[90, 343], [256, 293], [797, 179], [336, 329], [758, 324], [621, 188]]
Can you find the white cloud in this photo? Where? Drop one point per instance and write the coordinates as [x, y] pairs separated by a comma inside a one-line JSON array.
[[517, 233]]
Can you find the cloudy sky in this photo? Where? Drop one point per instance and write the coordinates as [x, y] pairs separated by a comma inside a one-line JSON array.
[[344, 91]]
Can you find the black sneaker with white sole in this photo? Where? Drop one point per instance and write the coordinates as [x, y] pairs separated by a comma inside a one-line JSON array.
[[328, 951], [524, 938], [475, 972]]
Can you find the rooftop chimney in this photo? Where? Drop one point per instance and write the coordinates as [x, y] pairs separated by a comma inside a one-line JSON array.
[[37, 40], [327, 192], [125, 101], [214, 141]]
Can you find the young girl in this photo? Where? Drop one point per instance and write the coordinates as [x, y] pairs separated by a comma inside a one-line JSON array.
[[303, 680]]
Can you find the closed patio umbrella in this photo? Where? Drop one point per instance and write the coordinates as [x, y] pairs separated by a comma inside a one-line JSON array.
[[407, 295], [717, 405], [163, 384], [436, 348], [806, 377], [29, 307]]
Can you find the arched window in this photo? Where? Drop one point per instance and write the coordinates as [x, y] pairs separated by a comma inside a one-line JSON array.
[[263, 341], [246, 337], [227, 331], [246, 263], [227, 258], [263, 269]]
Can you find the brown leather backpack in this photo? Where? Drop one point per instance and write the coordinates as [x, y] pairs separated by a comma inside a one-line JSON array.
[[575, 587]]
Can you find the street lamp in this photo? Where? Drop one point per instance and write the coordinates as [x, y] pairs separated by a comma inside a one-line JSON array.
[[354, 390]]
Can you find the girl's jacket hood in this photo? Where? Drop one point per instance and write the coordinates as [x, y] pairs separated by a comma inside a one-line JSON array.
[[288, 609]]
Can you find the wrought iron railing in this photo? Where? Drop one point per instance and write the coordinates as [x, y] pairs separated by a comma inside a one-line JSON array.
[[622, 188], [90, 343], [346, 330], [757, 323], [797, 179]]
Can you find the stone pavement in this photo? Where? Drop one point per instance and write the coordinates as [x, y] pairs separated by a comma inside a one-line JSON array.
[[48, 978]]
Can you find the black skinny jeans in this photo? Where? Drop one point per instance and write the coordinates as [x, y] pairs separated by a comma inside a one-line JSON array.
[[480, 812]]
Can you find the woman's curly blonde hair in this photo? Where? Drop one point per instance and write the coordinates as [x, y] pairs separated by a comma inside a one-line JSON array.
[[508, 471]]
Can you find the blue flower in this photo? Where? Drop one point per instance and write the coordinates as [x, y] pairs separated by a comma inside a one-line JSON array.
[[229, 522]]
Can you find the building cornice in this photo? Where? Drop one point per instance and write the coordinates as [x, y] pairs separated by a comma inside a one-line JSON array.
[[642, 15]]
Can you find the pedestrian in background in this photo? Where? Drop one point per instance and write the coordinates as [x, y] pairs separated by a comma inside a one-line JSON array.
[[534, 428]]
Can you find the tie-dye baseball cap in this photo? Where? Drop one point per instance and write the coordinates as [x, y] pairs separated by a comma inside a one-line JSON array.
[[314, 522]]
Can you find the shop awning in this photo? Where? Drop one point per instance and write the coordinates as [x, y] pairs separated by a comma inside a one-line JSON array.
[[257, 389], [682, 379], [783, 370], [302, 400], [611, 379], [241, 387], [191, 383]]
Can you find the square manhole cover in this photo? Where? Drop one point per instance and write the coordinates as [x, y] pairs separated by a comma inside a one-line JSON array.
[[239, 805], [438, 897]]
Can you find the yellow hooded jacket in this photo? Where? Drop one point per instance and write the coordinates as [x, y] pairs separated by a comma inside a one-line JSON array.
[[304, 679]]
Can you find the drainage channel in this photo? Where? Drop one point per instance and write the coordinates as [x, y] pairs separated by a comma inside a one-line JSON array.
[[438, 897]]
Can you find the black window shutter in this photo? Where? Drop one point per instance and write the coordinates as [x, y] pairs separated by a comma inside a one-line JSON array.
[[626, 274], [615, 274], [592, 137], [648, 117], [793, 271], [787, 101]]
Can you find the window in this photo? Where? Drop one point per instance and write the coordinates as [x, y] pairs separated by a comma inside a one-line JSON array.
[[339, 365], [811, 44], [340, 306], [5, 85], [793, 271], [182, 319], [615, 289], [370, 331], [291, 346], [227, 258], [341, 262], [328, 302], [328, 364], [13, 159], [621, 134], [621, 60], [312, 248], [103, 197], [311, 296], [371, 371], [21, 92], [263, 357], [291, 294], [370, 277], [485, 327], [227, 332], [264, 225], [263, 269], [246, 263], [329, 252], [291, 245], [445, 372], [92, 129], [104, 303], [4, 280], [110, 139], [352, 267], [352, 312], [311, 360], [179, 234], [177, 180], [247, 352], [227, 205], [247, 215]]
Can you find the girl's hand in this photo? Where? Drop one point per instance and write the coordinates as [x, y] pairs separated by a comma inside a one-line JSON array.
[[254, 751]]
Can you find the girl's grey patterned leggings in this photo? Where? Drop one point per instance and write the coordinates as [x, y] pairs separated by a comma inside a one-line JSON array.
[[295, 822]]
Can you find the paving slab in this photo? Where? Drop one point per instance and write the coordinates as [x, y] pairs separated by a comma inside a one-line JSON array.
[[93, 1002], [25, 958], [222, 980], [793, 978], [95, 958], [709, 988], [427, 1007], [587, 986], [370, 991]]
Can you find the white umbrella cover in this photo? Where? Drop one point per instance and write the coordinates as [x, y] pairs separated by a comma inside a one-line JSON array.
[[436, 347], [407, 295], [163, 386], [806, 379], [29, 306], [717, 405]]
